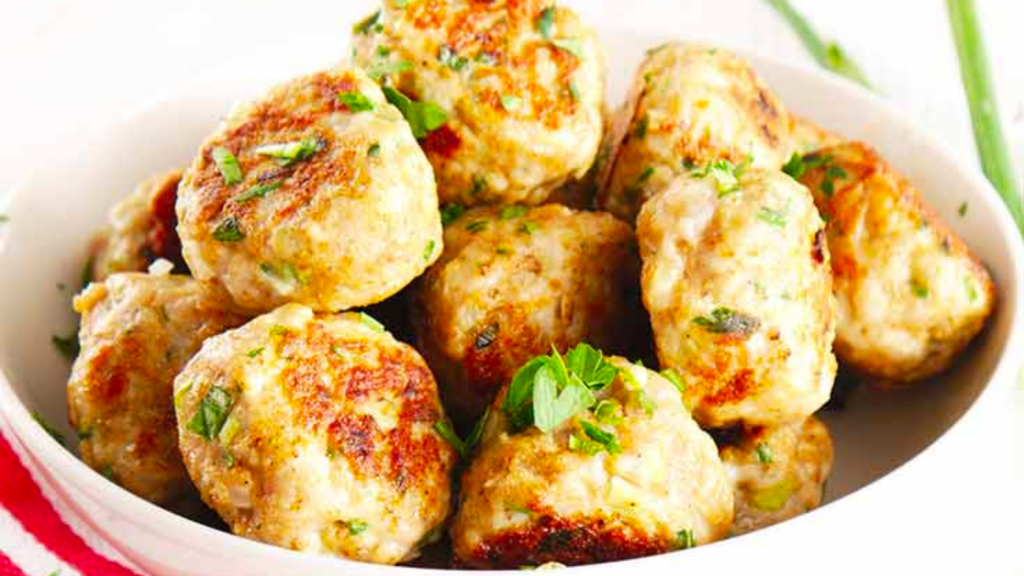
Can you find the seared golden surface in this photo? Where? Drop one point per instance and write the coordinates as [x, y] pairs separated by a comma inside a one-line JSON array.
[[137, 332], [522, 83], [689, 105], [348, 221], [739, 290], [514, 282], [315, 433], [777, 473], [910, 294], [527, 498]]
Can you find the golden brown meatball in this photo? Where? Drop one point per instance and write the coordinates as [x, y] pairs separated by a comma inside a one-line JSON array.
[[631, 476], [140, 229], [737, 282], [137, 332], [910, 294], [315, 193], [512, 283], [521, 83], [777, 473], [316, 433], [689, 105]]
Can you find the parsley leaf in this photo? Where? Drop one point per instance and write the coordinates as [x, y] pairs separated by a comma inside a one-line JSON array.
[[213, 411], [356, 101], [675, 379], [919, 288], [513, 212], [228, 230], [450, 213], [445, 430], [257, 191], [546, 22], [764, 453], [828, 181], [795, 166], [450, 58], [228, 165], [423, 117], [366, 24], [685, 539], [356, 527], [511, 103], [605, 439], [590, 366], [728, 321], [725, 174], [476, 226], [290, 153]]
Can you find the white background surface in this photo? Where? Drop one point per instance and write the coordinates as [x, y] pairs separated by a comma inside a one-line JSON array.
[[70, 67]]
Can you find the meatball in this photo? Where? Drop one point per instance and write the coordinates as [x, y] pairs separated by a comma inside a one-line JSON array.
[[910, 294], [137, 332], [140, 229], [777, 473], [632, 476], [736, 279], [806, 136], [521, 84], [316, 433], [512, 283], [316, 193], [689, 106]]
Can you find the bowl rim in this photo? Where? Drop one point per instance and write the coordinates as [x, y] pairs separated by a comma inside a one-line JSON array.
[[56, 461]]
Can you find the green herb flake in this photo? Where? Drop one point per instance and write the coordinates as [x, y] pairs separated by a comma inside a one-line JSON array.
[[356, 527], [209, 419], [429, 250], [724, 174], [775, 218], [478, 429], [527, 228], [254, 352], [374, 150], [67, 345], [366, 24], [445, 429], [511, 103], [230, 429], [370, 321], [228, 230], [423, 117], [279, 330], [570, 45], [108, 472], [450, 58], [228, 165], [356, 101], [257, 191], [640, 131], [574, 91], [828, 185], [685, 539], [675, 379], [383, 51], [972, 292], [513, 212], [546, 22], [517, 508], [728, 321], [962, 210], [49, 429], [290, 153], [918, 288], [764, 453], [451, 212], [584, 445], [382, 68], [795, 166], [476, 226], [85, 433], [606, 439], [608, 412]]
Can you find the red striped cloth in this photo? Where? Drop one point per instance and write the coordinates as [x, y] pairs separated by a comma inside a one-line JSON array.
[[36, 540]]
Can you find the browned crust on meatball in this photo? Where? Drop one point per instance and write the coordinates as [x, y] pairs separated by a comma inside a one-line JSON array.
[[571, 541]]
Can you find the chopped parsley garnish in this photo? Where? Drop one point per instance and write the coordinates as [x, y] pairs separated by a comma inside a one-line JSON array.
[[49, 429], [675, 379], [644, 176], [828, 181], [476, 226], [972, 292], [228, 165], [84, 433], [570, 45], [423, 117], [513, 212], [605, 439], [511, 103], [356, 101], [725, 174], [920, 289], [445, 430], [685, 539], [795, 166], [641, 128], [774, 497], [776, 218], [574, 91], [450, 58], [584, 445], [213, 411], [527, 228], [290, 153], [450, 213], [254, 352], [962, 210], [365, 25], [374, 150], [548, 390], [608, 412], [517, 508], [546, 22], [108, 472], [383, 51], [258, 191], [278, 330], [728, 321], [479, 185], [356, 527], [370, 321], [228, 230], [764, 453], [381, 68], [429, 250], [66, 345]]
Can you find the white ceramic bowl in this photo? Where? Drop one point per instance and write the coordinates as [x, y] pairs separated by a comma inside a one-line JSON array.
[[897, 490]]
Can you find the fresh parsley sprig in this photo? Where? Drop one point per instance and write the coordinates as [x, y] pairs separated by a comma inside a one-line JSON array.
[[423, 117]]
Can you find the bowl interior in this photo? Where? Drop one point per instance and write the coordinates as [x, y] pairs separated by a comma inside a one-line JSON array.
[[57, 208]]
